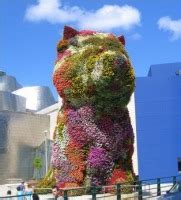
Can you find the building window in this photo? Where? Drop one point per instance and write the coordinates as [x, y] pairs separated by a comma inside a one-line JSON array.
[[179, 165], [178, 72]]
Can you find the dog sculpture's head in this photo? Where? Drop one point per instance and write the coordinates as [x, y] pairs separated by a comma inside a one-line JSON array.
[[94, 69]]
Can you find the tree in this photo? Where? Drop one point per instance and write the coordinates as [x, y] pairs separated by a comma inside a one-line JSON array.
[[38, 164]]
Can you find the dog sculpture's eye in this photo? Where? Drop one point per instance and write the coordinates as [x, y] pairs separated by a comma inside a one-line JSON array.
[[121, 61], [73, 42]]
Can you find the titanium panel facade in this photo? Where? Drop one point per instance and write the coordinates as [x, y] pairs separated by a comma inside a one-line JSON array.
[[12, 102], [37, 97], [20, 134], [8, 83]]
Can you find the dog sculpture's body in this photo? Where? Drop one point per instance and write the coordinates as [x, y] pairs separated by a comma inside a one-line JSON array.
[[93, 141]]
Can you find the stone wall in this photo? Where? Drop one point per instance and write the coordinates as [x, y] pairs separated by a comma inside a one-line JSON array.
[[20, 134]]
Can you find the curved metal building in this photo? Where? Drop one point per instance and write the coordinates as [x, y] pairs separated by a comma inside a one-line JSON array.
[[8, 83], [21, 131], [14, 97], [37, 97], [12, 102]]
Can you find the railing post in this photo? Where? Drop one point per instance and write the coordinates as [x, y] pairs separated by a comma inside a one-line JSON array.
[[174, 179], [94, 192], [118, 191], [140, 193], [65, 195], [158, 187]]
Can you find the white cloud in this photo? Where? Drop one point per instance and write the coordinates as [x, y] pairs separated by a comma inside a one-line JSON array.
[[135, 36], [105, 18], [173, 26], [111, 16], [52, 11]]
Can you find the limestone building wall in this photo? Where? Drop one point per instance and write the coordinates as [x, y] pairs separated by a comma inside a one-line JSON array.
[[20, 134]]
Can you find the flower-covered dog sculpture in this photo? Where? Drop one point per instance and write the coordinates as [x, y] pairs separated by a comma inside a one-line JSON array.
[[93, 141]]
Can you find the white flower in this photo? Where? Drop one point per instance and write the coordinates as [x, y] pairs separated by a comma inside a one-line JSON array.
[[109, 52], [102, 35], [80, 38], [97, 71], [63, 139], [58, 64], [73, 49], [84, 79]]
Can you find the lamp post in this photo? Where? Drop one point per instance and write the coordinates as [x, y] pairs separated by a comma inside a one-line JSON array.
[[46, 152]]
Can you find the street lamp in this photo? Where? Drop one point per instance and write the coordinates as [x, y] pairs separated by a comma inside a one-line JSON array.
[[46, 152]]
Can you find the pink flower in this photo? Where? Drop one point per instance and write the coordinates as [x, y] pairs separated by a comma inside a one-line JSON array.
[[63, 54], [87, 32]]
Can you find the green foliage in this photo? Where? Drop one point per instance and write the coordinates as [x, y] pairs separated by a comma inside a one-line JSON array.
[[91, 62], [47, 182], [60, 128], [37, 163], [62, 45], [108, 43], [129, 181]]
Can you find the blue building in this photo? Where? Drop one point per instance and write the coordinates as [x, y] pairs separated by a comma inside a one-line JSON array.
[[158, 118]]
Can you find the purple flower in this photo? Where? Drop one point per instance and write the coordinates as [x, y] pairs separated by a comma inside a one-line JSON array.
[[99, 165]]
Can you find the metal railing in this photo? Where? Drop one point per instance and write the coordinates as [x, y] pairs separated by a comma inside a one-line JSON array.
[[17, 197], [155, 187], [140, 190]]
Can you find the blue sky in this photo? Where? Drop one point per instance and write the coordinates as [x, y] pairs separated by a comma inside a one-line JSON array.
[[30, 30]]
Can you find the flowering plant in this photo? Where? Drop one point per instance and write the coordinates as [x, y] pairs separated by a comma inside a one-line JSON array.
[[93, 141]]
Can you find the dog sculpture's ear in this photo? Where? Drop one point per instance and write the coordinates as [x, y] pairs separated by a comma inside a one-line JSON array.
[[121, 39], [69, 32]]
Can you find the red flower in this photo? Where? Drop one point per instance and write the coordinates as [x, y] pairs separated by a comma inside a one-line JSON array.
[[118, 176]]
